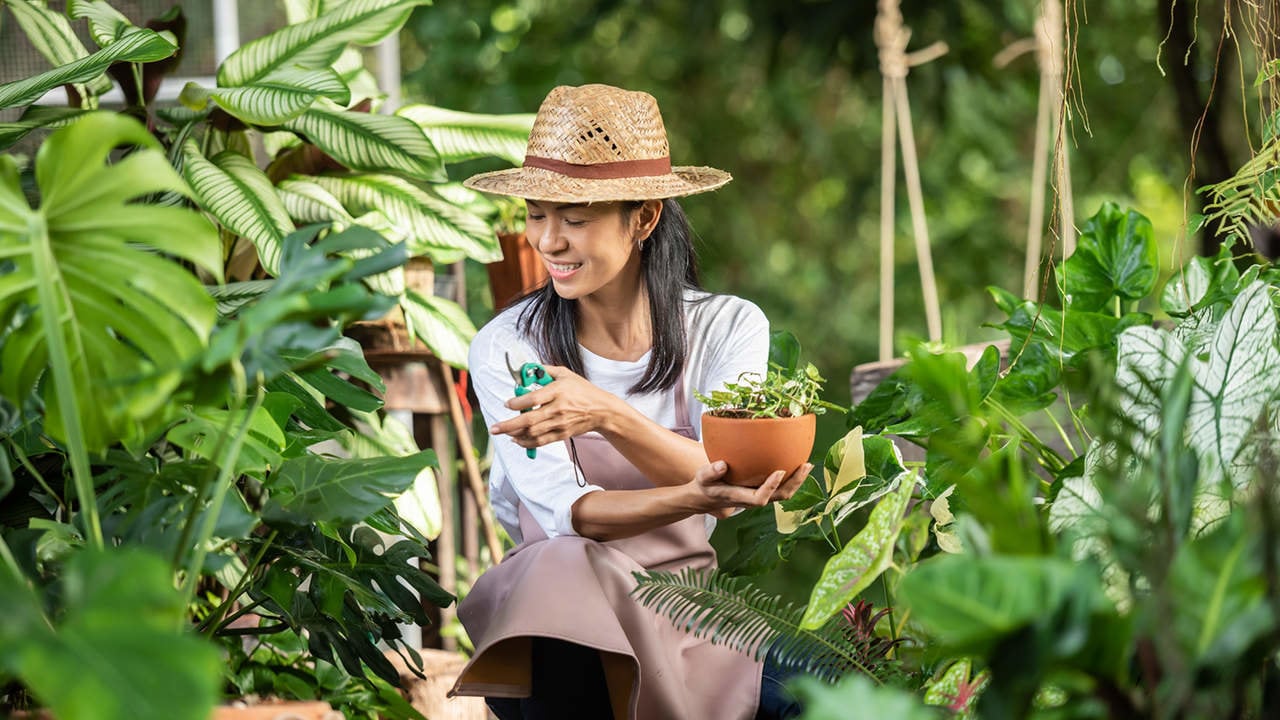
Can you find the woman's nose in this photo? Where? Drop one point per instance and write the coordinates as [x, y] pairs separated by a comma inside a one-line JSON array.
[[547, 241]]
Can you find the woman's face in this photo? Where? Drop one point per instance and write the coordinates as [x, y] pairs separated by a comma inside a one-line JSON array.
[[589, 248]]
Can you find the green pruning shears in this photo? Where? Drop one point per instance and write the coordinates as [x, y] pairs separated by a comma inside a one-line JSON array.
[[529, 377]]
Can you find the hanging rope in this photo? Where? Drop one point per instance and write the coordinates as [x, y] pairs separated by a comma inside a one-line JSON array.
[[895, 62], [1048, 45]]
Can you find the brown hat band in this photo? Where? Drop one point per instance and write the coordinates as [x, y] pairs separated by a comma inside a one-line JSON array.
[[603, 171]]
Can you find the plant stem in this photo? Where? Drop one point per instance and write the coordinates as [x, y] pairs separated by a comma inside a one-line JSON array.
[[222, 484], [52, 307], [26, 463], [11, 562], [214, 622]]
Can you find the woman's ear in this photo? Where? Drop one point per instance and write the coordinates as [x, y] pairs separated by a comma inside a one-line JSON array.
[[647, 219]]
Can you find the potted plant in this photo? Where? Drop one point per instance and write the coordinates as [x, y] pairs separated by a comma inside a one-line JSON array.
[[763, 423], [520, 270]]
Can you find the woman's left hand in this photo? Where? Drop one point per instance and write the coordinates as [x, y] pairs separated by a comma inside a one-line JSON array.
[[567, 407]]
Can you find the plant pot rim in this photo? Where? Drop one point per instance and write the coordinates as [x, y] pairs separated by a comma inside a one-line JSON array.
[[708, 413]]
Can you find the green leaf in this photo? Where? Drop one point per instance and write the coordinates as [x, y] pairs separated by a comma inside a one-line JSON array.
[[207, 433], [441, 324], [110, 323], [1029, 383], [434, 226], [52, 36], [823, 701], [459, 136], [283, 95], [784, 350], [114, 664], [232, 189], [315, 43], [37, 117], [862, 559], [1115, 258], [137, 45], [106, 24], [315, 489], [371, 142], [967, 601]]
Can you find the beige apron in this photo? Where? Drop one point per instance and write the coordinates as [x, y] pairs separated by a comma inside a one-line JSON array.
[[577, 589]]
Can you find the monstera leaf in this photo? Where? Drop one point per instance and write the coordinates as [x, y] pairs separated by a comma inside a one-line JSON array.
[[311, 488], [108, 323], [114, 663]]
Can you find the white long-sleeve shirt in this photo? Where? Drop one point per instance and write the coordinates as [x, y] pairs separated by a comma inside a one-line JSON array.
[[725, 337]]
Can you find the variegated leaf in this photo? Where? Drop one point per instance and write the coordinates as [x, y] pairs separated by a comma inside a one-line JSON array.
[[51, 35], [431, 225], [369, 142], [272, 100], [441, 324], [34, 118], [462, 136], [231, 188], [136, 45], [316, 43], [862, 559]]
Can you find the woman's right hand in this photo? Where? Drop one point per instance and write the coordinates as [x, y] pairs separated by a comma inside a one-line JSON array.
[[721, 499]]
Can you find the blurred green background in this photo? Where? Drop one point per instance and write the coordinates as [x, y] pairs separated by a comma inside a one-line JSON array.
[[786, 95]]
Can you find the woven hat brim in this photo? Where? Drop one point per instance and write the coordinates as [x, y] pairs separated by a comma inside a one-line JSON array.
[[539, 184]]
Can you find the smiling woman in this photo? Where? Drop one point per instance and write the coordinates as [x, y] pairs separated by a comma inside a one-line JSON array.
[[620, 482]]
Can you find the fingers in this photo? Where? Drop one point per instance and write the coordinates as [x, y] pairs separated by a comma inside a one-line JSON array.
[[793, 482], [711, 472]]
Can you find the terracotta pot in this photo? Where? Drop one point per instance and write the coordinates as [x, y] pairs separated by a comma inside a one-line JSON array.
[[519, 271], [755, 447]]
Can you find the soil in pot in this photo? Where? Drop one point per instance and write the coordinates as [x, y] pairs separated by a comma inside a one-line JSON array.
[[755, 447]]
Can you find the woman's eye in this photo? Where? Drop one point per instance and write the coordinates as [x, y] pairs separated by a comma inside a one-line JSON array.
[[574, 223], [534, 218]]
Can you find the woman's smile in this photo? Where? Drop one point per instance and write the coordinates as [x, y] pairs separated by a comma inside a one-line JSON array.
[[562, 271]]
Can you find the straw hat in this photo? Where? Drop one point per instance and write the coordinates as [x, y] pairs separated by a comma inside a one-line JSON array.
[[597, 143]]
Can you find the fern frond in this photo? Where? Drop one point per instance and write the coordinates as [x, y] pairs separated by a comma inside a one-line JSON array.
[[731, 611], [1250, 197]]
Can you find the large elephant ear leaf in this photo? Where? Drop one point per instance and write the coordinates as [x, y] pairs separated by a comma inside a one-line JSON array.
[[1238, 379], [1116, 258], [105, 326], [318, 42], [460, 136]]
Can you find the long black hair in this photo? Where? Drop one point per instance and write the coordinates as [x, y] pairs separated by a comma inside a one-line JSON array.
[[669, 266]]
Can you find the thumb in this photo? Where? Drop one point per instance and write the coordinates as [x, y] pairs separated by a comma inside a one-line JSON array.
[[711, 471]]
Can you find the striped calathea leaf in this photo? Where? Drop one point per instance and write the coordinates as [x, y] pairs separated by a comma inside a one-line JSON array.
[[232, 189]]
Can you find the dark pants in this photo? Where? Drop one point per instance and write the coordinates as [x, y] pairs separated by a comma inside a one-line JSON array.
[[568, 682]]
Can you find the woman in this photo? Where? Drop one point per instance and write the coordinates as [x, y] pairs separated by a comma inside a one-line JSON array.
[[617, 481]]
